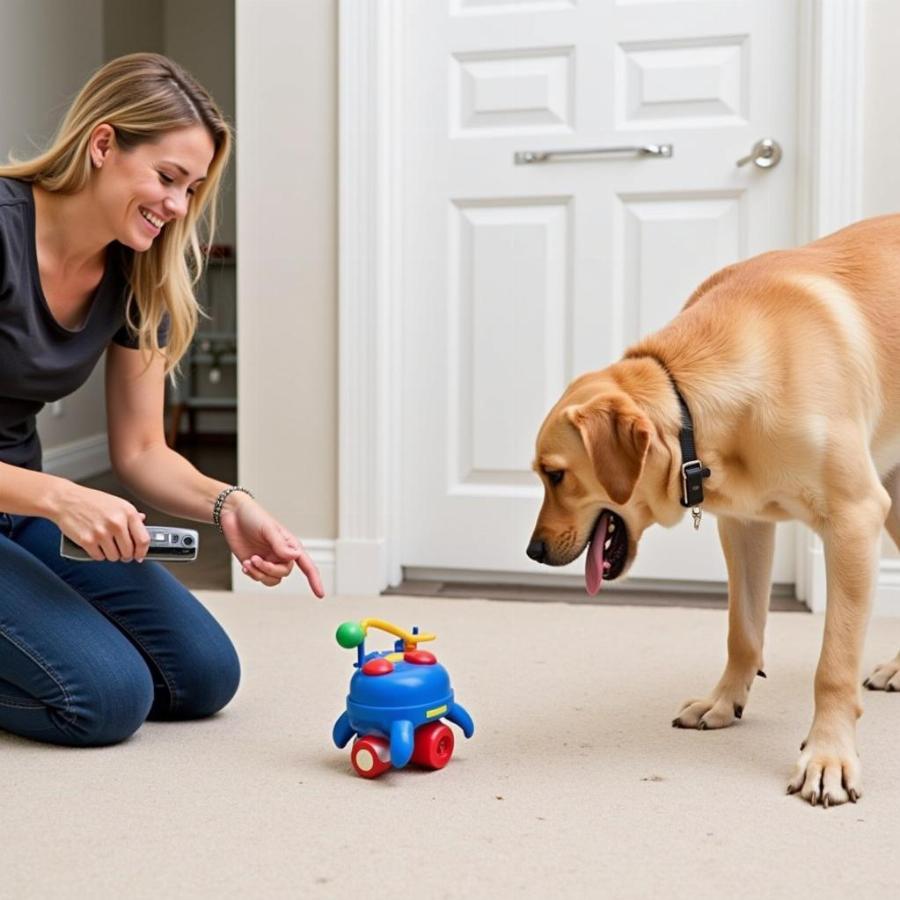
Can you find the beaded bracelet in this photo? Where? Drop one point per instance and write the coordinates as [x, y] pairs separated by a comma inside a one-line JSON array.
[[220, 502]]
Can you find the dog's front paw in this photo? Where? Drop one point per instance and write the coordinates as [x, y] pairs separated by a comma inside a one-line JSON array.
[[828, 771], [717, 711], [885, 677]]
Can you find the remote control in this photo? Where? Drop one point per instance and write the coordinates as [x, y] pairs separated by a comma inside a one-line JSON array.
[[166, 543]]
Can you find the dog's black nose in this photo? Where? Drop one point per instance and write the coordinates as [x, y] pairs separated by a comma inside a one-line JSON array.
[[537, 551]]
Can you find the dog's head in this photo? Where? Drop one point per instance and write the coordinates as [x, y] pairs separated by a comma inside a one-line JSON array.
[[591, 452]]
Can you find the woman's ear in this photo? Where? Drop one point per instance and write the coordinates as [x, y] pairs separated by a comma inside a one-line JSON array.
[[103, 139], [616, 441]]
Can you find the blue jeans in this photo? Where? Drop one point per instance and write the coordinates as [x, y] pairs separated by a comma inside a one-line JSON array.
[[89, 650]]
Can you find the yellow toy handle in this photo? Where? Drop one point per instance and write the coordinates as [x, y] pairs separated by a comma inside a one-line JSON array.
[[409, 640]]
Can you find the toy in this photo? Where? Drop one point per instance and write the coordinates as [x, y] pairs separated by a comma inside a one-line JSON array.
[[396, 701]]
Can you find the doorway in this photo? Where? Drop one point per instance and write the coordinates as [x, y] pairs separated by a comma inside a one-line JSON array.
[[829, 51]]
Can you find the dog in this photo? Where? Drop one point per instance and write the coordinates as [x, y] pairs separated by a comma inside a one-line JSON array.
[[785, 371]]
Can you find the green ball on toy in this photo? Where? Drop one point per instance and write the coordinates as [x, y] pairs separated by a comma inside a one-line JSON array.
[[350, 634]]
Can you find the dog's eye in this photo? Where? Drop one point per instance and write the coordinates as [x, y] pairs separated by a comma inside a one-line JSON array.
[[555, 477]]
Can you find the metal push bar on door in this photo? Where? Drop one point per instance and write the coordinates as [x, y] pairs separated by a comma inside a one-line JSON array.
[[526, 157]]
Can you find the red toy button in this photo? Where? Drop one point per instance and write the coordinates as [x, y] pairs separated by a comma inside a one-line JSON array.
[[379, 666], [420, 657]]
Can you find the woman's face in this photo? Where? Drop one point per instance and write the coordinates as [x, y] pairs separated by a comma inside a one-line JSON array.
[[141, 190]]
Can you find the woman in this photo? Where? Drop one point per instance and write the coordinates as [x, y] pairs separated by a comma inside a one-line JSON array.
[[99, 251]]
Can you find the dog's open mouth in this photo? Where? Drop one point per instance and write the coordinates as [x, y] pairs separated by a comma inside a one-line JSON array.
[[607, 551]]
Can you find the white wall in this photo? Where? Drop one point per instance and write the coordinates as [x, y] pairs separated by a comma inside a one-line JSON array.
[[881, 136], [287, 278], [286, 115], [881, 174], [287, 60]]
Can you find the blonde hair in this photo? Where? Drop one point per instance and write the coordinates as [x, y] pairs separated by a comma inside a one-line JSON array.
[[142, 96]]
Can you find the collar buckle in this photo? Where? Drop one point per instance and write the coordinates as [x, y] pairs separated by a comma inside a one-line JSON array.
[[692, 475]]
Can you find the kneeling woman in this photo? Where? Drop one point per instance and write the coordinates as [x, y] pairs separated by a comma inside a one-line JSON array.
[[99, 251]]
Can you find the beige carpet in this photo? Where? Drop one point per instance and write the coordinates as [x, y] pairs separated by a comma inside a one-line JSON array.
[[574, 784]]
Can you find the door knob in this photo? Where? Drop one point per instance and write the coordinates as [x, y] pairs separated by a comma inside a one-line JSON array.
[[765, 154]]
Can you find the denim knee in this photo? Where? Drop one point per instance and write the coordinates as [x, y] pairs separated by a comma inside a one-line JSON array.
[[107, 710], [208, 684]]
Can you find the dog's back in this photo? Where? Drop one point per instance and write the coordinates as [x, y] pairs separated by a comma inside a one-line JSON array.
[[799, 333]]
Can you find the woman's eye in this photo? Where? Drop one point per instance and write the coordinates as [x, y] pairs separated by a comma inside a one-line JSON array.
[[167, 180], [555, 477]]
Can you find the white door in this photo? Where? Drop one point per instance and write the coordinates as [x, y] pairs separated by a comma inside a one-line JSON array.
[[517, 277]]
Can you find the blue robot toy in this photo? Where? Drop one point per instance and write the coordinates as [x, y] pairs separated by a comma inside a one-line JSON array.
[[396, 703]]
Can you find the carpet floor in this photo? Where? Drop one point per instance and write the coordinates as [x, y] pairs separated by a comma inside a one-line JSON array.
[[574, 784]]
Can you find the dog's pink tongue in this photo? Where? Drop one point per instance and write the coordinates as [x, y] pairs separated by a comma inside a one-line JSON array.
[[593, 569]]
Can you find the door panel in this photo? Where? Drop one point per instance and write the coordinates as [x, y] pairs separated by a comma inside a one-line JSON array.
[[517, 278], [509, 315], [670, 244]]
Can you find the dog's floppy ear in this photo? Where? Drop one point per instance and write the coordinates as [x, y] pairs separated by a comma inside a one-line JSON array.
[[616, 440]]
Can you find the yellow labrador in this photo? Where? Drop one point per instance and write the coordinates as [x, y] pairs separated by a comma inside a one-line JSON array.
[[789, 367]]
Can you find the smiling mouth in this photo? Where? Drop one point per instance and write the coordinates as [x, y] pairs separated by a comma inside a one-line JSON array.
[[607, 551], [155, 221]]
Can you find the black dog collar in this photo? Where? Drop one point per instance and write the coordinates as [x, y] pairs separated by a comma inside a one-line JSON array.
[[692, 469]]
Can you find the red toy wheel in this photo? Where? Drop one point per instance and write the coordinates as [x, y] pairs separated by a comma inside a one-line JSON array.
[[434, 746], [370, 756]]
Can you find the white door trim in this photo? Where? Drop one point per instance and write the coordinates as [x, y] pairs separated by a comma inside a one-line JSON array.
[[371, 123], [370, 182], [829, 186]]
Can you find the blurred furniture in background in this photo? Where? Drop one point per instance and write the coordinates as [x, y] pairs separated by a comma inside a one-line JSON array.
[[207, 382]]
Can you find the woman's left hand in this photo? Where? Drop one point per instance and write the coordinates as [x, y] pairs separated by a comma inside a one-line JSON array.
[[266, 550]]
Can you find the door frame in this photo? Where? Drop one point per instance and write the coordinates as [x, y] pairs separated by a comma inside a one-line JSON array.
[[371, 120]]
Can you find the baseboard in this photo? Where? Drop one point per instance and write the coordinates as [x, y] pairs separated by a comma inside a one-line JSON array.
[[360, 567], [321, 551], [887, 589], [887, 594], [79, 459]]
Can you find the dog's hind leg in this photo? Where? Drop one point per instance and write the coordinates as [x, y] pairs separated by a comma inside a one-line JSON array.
[[886, 677], [749, 547]]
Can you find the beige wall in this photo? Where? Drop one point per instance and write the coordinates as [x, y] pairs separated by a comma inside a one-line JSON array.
[[287, 273], [47, 50]]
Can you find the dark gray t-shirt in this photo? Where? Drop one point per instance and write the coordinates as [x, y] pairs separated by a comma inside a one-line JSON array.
[[40, 360]]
